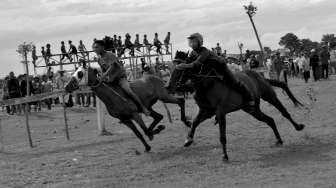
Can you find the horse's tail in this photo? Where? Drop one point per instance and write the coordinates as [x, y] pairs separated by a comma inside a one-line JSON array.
[[284, 86]]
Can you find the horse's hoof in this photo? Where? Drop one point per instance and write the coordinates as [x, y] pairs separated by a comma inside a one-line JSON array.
[[188, 142], [279, 143], [225, 159], [300, 127], [105, 133], [150, 137], [159, 129], [188, 124], [148, 148]]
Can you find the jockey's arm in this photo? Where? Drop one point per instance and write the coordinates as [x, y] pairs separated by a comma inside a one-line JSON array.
[[203, 55], [114, 71]]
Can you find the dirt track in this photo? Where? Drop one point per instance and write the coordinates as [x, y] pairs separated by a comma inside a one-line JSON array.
[[307, 158]]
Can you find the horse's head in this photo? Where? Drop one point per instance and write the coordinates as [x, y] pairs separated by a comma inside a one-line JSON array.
[[179, 78], [82, 77]]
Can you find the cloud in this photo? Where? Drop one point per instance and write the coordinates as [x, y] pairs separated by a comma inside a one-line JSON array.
[[50, 21]]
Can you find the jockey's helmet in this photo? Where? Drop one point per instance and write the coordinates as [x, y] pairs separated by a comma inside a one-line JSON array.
[[198, 37]]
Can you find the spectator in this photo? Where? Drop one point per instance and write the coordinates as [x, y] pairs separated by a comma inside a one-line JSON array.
[[61, 81], [5, 94], [82, 49], [324, 59], [278, 65], [157, 43], [218, 50], [43, 53], [13, 87], [165, 74], [72, 51], [137, 44], [166, 42], [157, 67], [23, 88], [120, 50], [37, 89], [128, 44], [300, 58], [47, 87], [314, 63], [254, 63], [34, 56], [305, 67], [64, 52], [48, 54], [146, 43], [333, 60]]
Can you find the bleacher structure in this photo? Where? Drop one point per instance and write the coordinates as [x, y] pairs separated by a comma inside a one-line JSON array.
[[132, 61]]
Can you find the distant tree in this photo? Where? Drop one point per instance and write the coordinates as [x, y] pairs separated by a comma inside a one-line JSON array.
[[267, 50], [290, 41], [329, 39], [307, 45]]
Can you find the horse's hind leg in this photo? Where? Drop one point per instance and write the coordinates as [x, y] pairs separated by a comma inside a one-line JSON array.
[[157, 118], [259, 115], [277, 104], [131, 125], [137, 118], [166, 98]]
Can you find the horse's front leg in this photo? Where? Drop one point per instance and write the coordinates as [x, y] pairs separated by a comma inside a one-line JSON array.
[[136, 117], [131, 125], [202, 115], [221, 117]]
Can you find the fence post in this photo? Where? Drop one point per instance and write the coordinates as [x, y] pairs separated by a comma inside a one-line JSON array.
[[100, 118]]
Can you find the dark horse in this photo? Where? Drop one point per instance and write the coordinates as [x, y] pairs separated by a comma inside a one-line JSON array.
[[150, 89], [216, 97]]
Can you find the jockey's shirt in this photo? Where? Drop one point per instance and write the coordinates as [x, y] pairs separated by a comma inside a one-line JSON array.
[[109, 59], [202, 54]]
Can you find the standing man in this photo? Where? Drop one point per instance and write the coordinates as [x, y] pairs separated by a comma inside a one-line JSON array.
[[64, 52], [324, 58], [13, 88], [218, 50], [314, 63], [278, 65], [72, 50], [333, 60], [166, 42], [113, 71]]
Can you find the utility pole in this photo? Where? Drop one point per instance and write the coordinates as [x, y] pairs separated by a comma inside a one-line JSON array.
[[251, 11], [23, 50]]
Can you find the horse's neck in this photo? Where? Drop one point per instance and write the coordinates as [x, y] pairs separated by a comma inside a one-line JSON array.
[[107, 94]]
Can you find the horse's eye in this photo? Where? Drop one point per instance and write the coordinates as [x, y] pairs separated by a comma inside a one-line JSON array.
[[80, 74]]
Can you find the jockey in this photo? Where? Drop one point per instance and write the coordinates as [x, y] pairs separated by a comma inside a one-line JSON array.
[[113, 71], [200, 55]]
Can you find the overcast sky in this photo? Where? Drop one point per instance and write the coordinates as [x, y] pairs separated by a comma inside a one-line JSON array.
[[224, 21]]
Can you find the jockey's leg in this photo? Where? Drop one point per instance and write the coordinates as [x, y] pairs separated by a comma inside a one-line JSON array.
[[126, 87], [237, 84]]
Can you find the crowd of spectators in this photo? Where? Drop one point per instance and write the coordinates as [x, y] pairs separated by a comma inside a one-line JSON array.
[[114, 44], [16, 87]]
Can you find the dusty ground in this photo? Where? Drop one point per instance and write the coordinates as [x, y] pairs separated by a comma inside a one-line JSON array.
[[307, 159]]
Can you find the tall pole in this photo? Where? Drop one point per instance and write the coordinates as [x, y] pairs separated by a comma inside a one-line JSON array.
[[251, 11], [27, 104]]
